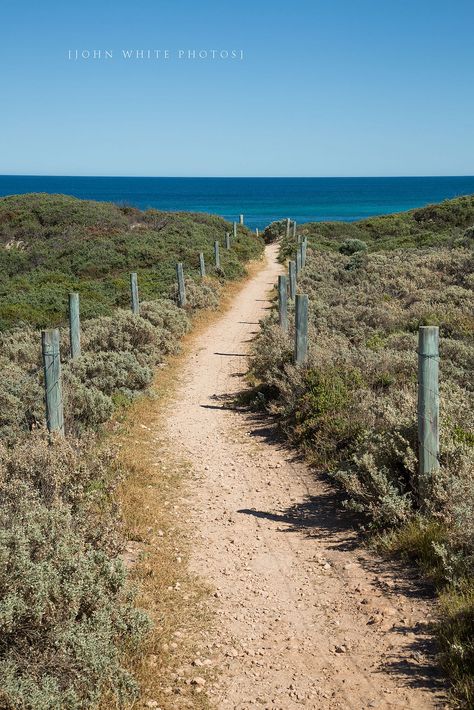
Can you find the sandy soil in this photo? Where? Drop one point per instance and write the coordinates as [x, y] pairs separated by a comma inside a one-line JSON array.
[[305, 616]]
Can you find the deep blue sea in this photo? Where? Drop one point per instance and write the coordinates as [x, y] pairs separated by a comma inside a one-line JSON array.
[[261, 200]]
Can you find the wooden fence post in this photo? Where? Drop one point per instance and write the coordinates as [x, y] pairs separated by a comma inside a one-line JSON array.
[[301, 329], [428, 407], [74, 326], [216, 255], [227, 240], [134, 294], [283, 302], [292, 279], [298, 262], [294, 230], [52, 380], [235, 230], [181, 285], [288, 227], [304, 245], [257, 232], [202, 265], [241, 219]]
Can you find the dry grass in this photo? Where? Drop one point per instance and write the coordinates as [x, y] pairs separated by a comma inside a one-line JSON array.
[[155, 499]]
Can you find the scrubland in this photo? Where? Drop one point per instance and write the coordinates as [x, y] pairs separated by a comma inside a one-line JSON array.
[[352, 409], [68, 615]]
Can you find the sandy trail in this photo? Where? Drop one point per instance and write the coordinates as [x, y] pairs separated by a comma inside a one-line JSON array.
[[306, 617]]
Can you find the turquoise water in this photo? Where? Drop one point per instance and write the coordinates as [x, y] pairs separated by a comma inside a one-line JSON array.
[[261, 200]]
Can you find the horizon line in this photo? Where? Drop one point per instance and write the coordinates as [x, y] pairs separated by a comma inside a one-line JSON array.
[[234, 177]]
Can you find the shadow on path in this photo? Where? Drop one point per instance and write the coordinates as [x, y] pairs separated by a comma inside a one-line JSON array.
[[321, 516]]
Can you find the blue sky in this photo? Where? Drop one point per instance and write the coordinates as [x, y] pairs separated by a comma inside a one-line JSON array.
[[326, 88]]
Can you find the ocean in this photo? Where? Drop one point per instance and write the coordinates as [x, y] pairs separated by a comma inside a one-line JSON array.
[[261, 200]]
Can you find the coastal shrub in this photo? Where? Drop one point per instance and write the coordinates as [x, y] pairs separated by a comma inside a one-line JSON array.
[[23, 347], [172, 320], [198, 295], [271, 352], [351, 246], [124, 332], [21, 402], [379, 478], [112, 372], [66, 611], [274, 231], [456, 638], [322, 414], [85, 406]]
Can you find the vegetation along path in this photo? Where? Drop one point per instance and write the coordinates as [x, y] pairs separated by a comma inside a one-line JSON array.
[[306, 616]]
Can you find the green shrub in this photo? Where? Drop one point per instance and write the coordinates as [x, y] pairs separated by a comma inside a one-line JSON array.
[[124, 332], [322, 414], [171, 319], [22, 346], [198, 295], [351, 246], [274, 231], [112, 372], [435, 225], [379, 479], [456, 636], [21, 402], [85, 406], [65, 609]]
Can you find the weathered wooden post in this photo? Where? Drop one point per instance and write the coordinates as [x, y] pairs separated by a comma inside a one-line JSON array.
[[74, 326], [298, 262], [292, 279], [235, 230], [257, 232], [241, 219], [294, 229], [134, 293], [52, 380], [202, 265], [181, 285], [283, 302], [227, 240], [217, 255], [428, 407], [288, 227], [301, 329], [304, 245]]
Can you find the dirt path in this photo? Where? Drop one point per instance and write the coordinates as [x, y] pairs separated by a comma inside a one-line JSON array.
[[306, 617]]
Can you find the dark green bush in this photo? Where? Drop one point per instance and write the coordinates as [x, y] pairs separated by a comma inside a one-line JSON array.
[[351, 246]]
